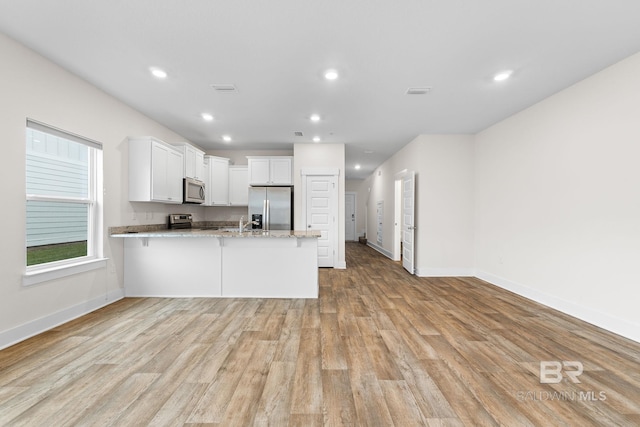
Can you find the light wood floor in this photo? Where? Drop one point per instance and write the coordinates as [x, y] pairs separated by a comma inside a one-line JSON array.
[[378, 348]]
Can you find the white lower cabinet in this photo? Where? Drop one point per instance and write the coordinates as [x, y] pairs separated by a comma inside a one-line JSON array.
[[270, 268], [251, 267], [172, 267]]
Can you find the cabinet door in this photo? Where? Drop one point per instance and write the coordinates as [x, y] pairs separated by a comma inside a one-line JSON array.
[[259, 171], [238, 186], [206, 170], [159, 159], [280, 171], [193, 162], [189, 162], [174, 176], [199, 166], [218, 181], [155, 171]]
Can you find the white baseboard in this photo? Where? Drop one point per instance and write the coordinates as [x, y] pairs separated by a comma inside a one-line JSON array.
[[340, 265], [380, 249], [611, 323], [35, 327], [445, 272]]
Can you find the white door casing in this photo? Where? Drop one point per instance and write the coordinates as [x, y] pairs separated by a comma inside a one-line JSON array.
[[397, 220], [350, 217], [408, 221], [321, 207]]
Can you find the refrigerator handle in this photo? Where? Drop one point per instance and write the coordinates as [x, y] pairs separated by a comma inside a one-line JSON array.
[[265, 220], [268, 215]]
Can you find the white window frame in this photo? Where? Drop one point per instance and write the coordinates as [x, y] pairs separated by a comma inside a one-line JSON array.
[[94, 259]]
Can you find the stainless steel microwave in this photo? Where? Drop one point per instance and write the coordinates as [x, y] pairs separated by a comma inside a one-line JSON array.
[[193, 191]]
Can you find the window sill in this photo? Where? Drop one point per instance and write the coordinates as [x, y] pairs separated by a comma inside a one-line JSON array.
[[46, 274]]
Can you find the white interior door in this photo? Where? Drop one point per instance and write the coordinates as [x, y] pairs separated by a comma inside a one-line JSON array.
[[408, 221], [397, 220], [350, 217], [321, 209]]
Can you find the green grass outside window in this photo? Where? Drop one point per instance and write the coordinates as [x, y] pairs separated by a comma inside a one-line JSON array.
[[50, 253]]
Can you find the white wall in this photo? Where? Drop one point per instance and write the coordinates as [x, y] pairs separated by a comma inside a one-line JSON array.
[[444, 202], [558, 200], [33, 87], [319, 156]]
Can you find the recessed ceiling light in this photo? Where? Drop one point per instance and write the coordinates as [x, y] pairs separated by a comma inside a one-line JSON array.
[[331, 74], [226, 138], [314, 118], [159, 73], [316, 139], [207, 117], [357, 167], [502, 75], [368, 151]]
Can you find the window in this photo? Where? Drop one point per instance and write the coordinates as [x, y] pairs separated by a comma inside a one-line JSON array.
[[64, 206]]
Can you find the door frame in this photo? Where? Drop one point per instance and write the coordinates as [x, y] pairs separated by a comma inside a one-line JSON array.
[[355, 215], [401, 176], [335, 202]]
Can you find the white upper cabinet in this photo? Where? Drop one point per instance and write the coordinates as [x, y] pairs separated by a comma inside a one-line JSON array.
[[155, 171], [174, 176], [238, 186], [193, 161], [218, 181], [259, 170], [280, 170], [271, 170]]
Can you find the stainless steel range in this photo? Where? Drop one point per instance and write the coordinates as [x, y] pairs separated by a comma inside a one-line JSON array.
[[180, 221]]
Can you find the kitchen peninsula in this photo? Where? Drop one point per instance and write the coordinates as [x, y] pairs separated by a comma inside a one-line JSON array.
[[218, 263]]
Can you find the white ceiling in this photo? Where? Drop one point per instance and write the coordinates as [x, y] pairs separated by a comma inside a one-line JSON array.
[[275, 53]]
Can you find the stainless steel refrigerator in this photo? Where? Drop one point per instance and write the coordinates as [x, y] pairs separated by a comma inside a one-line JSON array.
[[271, 207]]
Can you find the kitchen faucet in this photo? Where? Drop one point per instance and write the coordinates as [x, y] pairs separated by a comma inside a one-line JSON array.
[[241, 226]]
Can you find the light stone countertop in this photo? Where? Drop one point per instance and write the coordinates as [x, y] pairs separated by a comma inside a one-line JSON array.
[[219, 233]]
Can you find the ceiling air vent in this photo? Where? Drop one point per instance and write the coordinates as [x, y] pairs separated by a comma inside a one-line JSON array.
[[418, 90], [297, 133], [224, 88]]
